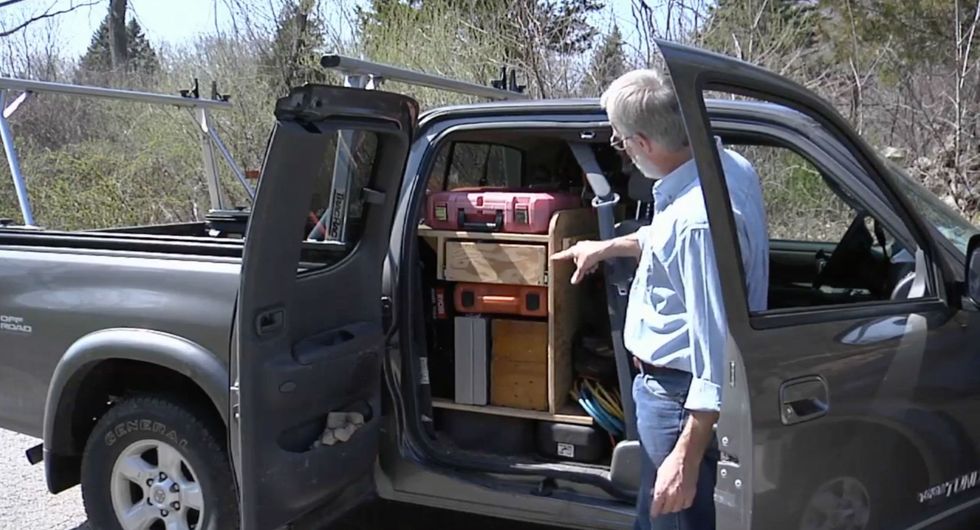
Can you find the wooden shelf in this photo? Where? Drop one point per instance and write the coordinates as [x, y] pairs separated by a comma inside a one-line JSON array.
[[568, 414], [427, 232]]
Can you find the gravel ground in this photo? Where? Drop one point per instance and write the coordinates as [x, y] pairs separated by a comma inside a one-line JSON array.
[[26, 504]]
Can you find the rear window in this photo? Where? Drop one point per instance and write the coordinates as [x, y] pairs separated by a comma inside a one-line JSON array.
[[477, 165]]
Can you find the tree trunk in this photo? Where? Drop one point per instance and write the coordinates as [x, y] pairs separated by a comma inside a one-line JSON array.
[[117, 33]]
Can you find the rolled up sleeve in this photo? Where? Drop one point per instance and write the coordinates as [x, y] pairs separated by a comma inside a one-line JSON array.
[[707, 326]]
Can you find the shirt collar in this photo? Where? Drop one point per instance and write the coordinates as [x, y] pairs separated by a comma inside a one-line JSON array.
[[667, 189], [670, 187]]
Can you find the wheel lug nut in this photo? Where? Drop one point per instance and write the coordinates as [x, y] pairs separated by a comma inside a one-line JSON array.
[[174, 487], [163, 476], [149, 482], [164, 513], [175, 505]]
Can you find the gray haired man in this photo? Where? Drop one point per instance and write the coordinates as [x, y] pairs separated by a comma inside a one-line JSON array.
[[675, 321]]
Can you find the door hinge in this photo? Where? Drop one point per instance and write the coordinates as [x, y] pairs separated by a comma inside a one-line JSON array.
[[387, 314]]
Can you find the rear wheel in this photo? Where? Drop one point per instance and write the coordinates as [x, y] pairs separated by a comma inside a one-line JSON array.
[[152, 463]]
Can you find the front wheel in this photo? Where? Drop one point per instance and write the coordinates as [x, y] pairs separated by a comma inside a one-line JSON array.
[[151, 463]]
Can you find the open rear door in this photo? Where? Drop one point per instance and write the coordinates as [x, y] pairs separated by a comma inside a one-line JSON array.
[[309, 339]]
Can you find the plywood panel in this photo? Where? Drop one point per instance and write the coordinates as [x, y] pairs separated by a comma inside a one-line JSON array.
[[431, 233], [568, 414], [520, 340], [468, 261], [519, 385], [565, 301]]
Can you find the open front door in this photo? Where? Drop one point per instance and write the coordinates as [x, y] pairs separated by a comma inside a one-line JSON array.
[[309, 339], [832, 393]]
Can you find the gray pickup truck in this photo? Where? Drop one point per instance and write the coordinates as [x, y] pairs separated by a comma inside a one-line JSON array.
[[275, 366]]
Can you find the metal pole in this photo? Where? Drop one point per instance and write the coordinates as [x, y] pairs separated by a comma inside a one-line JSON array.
[[210, 166], [111, 93], [357, 68], [9, 110], [8, 147], [231, 162]]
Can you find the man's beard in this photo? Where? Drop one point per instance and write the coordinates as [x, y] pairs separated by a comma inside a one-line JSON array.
[[647, 168]]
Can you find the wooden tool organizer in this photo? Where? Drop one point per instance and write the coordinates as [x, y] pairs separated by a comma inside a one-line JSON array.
[[523, 259]]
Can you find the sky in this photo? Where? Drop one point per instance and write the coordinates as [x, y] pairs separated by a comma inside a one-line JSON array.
[[179, 21]]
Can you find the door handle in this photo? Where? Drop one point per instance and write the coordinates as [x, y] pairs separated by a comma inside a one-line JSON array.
[[803, 399], [269, 321]]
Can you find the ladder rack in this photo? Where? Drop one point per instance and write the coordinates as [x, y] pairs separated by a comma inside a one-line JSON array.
[[189, 99]]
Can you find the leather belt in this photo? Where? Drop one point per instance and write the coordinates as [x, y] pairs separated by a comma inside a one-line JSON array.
[[646, 368]]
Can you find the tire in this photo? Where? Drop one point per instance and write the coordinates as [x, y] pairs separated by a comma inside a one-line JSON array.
[[158, 461], [850, 497]]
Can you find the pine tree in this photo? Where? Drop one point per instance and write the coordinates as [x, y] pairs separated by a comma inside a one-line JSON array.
[[141, 58], [608, 63], [293, 59]]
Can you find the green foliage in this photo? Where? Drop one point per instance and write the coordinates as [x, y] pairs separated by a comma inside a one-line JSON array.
[[140, 56], [292, 59], [608, 63]]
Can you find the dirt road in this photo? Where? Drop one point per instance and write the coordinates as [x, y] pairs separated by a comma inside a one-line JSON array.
[[26, 504]]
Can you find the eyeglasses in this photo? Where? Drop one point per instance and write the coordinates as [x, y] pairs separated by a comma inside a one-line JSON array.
[[618, 143]]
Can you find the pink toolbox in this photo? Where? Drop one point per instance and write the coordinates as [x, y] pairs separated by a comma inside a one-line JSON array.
[[496, 209]]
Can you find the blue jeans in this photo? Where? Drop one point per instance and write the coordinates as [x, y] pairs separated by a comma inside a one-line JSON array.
[[660, 417]]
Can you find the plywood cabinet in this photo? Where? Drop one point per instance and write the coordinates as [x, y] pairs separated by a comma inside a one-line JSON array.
[[527, 389]]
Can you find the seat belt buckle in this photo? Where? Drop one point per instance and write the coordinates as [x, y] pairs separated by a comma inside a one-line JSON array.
[[599, 202]]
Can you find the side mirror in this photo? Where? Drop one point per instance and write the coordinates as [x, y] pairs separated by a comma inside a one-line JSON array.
[[973, 269]]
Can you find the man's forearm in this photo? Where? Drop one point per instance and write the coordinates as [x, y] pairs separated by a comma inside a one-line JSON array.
[[696, 436], [627, 246]]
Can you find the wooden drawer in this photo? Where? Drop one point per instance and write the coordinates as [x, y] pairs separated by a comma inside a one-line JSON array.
[[488, 262], [519, 340], [517, 384]]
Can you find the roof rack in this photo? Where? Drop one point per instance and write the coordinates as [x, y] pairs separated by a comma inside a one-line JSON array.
[[189, 99], [359, 73], [370, 75]]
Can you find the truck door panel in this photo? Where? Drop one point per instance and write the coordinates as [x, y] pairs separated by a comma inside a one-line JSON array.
[[309, 342]]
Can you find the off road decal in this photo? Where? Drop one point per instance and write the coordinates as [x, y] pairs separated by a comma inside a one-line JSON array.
[[14, 324], [951, 487], [123, 428]]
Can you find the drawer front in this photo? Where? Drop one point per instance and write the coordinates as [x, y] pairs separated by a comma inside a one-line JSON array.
[[519, 385], [516, 264]]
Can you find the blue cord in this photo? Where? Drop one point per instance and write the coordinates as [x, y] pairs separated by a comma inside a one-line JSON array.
[[605, 420]]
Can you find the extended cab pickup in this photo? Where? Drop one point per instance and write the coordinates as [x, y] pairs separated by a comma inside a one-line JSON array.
[[212, 376]]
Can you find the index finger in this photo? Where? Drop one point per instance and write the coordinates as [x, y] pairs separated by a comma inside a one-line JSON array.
[[564, 254], [657, 506]]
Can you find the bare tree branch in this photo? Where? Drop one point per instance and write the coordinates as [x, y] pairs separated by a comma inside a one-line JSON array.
[[42, 16]]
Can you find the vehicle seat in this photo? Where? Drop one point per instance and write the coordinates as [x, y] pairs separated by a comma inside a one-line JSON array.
[[640, 189]]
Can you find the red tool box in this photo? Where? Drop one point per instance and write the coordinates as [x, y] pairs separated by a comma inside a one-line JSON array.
[[496, 209], [523, 300]]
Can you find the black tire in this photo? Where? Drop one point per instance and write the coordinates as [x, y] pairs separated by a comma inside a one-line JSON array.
[[846, 483], [145, 419]]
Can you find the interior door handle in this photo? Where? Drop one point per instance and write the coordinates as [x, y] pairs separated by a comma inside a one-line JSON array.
[[803, 399], [341, 341]]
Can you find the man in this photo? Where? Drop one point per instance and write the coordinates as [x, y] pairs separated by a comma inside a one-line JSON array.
[[675, 322]]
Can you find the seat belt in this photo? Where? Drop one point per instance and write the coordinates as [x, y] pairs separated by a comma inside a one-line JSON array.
[[617, 274]]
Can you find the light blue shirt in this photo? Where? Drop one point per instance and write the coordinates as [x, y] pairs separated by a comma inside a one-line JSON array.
[[675, 317]]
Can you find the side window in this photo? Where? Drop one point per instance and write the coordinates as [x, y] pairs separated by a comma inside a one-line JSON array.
[[339, 201], [473, 165], [827, 244], [800, 205]]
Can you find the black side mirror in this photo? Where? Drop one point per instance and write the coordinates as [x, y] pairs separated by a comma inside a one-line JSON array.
[[973, 269]]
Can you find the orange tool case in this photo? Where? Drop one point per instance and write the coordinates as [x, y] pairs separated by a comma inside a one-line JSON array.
[[521, 300]]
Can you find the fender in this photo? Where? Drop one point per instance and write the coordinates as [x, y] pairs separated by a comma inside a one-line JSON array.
[[207, 370]]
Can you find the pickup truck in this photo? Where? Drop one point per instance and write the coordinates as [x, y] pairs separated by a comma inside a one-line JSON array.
[[277, 366]]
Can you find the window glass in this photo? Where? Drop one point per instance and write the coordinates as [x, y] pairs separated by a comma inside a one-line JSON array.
[[799, 203], [337, 205], [483, 165]]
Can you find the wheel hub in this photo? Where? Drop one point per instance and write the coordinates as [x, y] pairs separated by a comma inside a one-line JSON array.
[[152, 482]]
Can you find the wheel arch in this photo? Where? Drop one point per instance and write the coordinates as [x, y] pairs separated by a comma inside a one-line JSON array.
[[97, 365]]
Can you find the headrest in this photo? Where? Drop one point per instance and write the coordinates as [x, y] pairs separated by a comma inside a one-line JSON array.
[[639, 188]]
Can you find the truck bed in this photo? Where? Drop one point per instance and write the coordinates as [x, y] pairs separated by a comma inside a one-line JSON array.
[[56, 287]]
